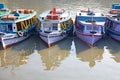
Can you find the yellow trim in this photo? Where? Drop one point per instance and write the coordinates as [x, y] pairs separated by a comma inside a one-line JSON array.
[[39, 24], [31, 20], [26, 25], [70, 22], [63, 25], [34, 19], [22, 24], [29, 23]]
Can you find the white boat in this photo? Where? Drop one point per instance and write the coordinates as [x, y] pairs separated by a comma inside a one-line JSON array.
[[16, 26], [89, 26], [55, 25]]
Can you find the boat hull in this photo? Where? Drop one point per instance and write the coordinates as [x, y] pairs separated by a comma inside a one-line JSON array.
[[9, 42], [6, 42], [115, 37], [90, 39], [52, 39]]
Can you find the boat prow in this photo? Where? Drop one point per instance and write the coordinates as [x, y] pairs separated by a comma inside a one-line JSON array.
[[89, 26]]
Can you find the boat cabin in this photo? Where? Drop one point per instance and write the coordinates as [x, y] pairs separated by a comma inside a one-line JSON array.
[[91, 23], [6, 27], [50, 27], [15, 22], [91, 28]]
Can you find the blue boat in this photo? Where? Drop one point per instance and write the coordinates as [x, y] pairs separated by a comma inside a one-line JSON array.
[[115, 9], [89, 26], [16, 26], [112, 26]]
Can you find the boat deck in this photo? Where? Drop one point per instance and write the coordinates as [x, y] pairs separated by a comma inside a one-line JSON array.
[[95, 19], [21, 16], [4, 12], [63, 15]]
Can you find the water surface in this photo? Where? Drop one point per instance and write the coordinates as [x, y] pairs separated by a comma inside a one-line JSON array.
[[70, 59]]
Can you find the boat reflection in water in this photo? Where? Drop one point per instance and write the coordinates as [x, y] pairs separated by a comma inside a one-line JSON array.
[[115, 51], [53, 56], [91, 55], [116, 57], [13, 58], [18, 54], [87, 54]]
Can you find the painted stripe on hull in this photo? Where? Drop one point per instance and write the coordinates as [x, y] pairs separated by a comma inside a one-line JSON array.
[[52, 40], [115, 37], [9, 42], [89, 39]]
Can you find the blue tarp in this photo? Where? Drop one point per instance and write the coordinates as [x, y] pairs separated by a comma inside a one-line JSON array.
[[115, 6], [89, 18], [2, 5]]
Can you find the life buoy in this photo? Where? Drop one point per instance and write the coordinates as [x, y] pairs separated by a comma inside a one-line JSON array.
[[20, 33], [86, 11]]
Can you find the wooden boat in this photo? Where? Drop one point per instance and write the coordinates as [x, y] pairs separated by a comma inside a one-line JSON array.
[[115, 9], [16, 26], [55, 25], [112, 26], [89, 26]]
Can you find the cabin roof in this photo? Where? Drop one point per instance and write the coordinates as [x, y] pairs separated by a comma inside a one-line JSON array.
[[61, 13], [4, 12], [97, 17], [21, 17]]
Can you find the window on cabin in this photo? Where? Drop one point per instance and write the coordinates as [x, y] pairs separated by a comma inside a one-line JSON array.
[[19, 27], [89, 27], [25, 24], [3, 28], [92, 28], [55, 26], [9, 28], [95, 27], [47, 27]]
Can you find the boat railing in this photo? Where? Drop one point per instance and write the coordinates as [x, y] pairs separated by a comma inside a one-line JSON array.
[[2, 33], [65, 18]]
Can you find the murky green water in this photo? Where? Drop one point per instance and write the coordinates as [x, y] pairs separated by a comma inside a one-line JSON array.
[[70, 59]]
